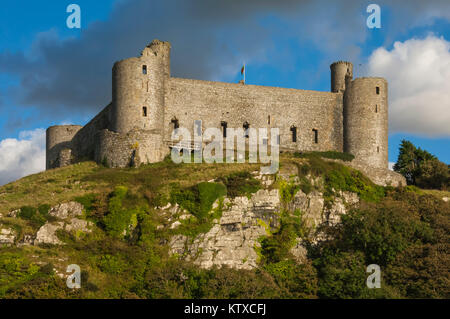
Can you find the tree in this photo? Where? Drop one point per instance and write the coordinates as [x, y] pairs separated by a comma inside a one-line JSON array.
[[421, 168], [406, 162]]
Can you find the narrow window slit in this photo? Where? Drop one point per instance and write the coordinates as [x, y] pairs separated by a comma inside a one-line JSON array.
[[316, 136], [294, 133]]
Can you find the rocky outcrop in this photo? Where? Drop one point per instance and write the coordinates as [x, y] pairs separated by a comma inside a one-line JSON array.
[[13, 213], [47, 234], [233, 238], [66, 210], [67, 214], [7, 236]]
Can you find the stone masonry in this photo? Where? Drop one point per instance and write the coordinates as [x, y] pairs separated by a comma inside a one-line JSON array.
[[147, 104]]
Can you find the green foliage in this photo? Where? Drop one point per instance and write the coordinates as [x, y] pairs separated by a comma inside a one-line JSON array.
[[347, 179], [298, 281], [16, 270], [287, 190], [33, 215], [112, 264], [342, 275], [421, 168], [276, 247], [177, 280], [122, 216], [406, 235], [27, 212], [88, 201], [383, 231], [44, 209], [329, 154], [338, 177], [198, 199], [240, 184], [305, 185]]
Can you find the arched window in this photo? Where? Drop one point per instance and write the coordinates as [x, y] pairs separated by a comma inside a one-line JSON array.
[[144, 111], [378, 90], [144, 69]]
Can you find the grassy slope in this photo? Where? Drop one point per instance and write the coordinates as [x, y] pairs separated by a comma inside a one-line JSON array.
[[64, 184], [116, 268]]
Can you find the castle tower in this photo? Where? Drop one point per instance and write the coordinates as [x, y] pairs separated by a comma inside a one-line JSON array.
[[366, 121], [341, 76], [58, 144], [138, 89]]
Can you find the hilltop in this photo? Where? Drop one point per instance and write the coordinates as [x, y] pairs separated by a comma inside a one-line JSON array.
[[221, 231]]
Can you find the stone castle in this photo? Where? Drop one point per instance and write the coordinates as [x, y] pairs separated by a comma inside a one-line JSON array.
[[147, 104]]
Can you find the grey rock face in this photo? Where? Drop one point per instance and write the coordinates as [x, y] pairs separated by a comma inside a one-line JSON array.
[[47, 234], [65, 210], [232, 239], [13, 213], [7, 236], [67, 213]]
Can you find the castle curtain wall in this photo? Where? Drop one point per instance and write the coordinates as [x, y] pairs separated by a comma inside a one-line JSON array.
[[215, 102]]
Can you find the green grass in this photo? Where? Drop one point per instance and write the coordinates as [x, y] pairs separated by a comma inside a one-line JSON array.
[[330, 154], [402, 229]]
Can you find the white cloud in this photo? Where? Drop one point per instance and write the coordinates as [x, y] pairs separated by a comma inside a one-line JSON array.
[[418, 72], [23, 156]]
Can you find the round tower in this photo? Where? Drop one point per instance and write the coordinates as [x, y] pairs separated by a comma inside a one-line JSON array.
[[341, 76], [138, 89], [366, 121], [58, 137]]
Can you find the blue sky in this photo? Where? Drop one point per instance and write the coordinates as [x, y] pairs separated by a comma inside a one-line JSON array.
[[50, 74]]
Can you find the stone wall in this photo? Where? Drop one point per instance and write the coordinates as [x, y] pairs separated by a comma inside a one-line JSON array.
[[58, 137], [84, 143], [260, 106], [131, 149]]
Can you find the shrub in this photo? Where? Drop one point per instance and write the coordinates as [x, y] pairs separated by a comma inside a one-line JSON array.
[[342, 275], [27, 212], [240, 184], [111, 264], [299, 281], [347, 157], [120, 219], [198, 199], [88, 201], [287, 190]]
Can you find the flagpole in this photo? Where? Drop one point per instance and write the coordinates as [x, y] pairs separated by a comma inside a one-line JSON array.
[[245, 70]]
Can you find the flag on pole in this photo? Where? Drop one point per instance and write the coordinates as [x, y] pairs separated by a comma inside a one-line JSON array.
[[243, 71]]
